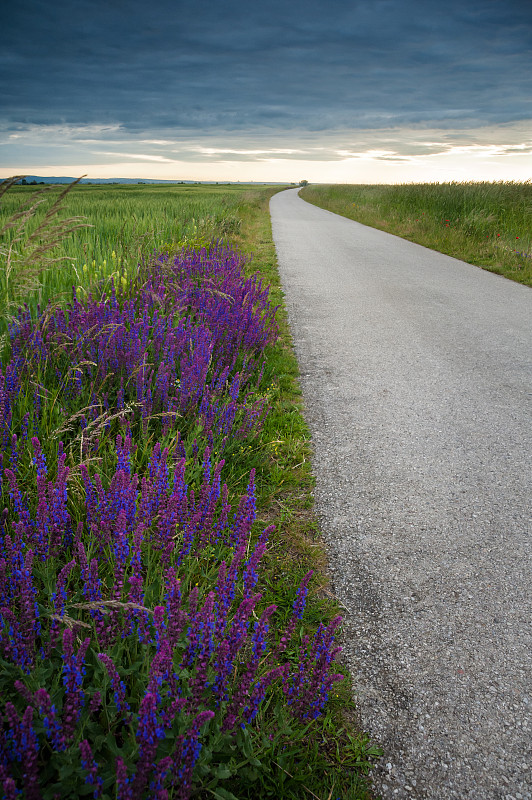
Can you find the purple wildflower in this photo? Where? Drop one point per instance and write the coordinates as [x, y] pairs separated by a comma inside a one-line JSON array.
[[52, 724], [250, 570], [10, 789], [149, 733], [187, 752], [95, 703], [307, 689], [301, 596], [118, 685], [89, 765], [123, 783], [28, 748], [241, 694], [73, 673]]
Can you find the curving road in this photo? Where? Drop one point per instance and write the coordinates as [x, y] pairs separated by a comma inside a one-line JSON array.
[[416, 373]]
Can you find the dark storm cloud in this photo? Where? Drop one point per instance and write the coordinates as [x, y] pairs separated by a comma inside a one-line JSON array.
[[241, 66]]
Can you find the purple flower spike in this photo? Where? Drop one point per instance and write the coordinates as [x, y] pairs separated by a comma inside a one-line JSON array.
[[259, 692], [29, 753], [261, 632], [297, 614], [240, 625], [301, 596], [10, 789], [250, 570], [246, 513], [159, 624], [223, 666], [187, 752], [157, 790], [174, 614], [52, 725], [24, 692], [91, 768], [118, 685], [239, 703], [149, 732], [95, 703], [307, 690], [123, 785], [39, 458], [73, 672]]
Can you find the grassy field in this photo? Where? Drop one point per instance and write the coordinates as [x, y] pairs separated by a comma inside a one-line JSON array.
[[487, 224], [301, 740], [122, 223]]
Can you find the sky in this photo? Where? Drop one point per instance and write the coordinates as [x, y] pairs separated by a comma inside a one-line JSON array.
[[329, 91]]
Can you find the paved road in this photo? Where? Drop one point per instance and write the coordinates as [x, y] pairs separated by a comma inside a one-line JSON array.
[[417, 381]]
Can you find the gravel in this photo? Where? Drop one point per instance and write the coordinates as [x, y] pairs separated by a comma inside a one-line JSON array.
[[415, 369]]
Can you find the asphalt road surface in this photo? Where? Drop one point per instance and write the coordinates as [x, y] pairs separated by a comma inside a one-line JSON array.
[[416, 374]]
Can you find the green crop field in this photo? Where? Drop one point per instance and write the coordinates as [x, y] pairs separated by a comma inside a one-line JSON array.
[[124, 223], [484, 223]]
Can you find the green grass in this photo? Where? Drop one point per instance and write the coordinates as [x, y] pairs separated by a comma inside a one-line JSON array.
[[330, 758], [488, 224], [334, 758]]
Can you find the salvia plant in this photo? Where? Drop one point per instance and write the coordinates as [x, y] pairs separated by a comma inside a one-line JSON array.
[[137, 653]]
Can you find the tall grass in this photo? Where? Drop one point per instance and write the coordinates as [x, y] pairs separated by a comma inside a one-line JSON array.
[[29, 240], [485, 223]]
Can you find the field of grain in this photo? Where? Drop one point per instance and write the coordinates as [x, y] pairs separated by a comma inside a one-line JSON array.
[[121, 224]]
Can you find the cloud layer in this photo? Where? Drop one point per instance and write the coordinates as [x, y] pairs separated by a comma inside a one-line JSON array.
[[179, 81]]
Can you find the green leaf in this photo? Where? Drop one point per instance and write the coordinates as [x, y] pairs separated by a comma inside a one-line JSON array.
[[223, 794], [250, 773], [110, 741], [247, 747], [223, 771]]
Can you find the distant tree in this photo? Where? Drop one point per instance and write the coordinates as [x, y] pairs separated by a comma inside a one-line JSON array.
[[303, 183]]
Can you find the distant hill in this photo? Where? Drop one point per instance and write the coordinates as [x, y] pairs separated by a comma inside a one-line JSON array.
[[37, 179]]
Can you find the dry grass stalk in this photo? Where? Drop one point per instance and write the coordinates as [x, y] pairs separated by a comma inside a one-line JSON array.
[[115, 605], [94, 426]]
